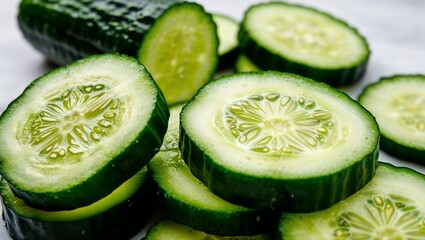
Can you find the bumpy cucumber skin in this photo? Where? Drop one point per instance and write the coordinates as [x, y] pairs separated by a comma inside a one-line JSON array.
[[238, 222], [122, 221], [266, 59], [125, 164], [289, 195], [67, 30]]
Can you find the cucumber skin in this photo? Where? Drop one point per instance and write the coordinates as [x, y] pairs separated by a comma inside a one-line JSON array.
[[122, 221], [296, 195], [334, 77], [245, 222], [66, 30], [127, 163]]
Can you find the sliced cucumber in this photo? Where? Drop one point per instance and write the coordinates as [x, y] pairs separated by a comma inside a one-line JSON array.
[[187, 201], [80, 131], [398, 103], [180, 51], [391, 206], [228, 48], [243, 64], [119, 215], [167, 229], [272, 140], [66, 30], [302, 40]]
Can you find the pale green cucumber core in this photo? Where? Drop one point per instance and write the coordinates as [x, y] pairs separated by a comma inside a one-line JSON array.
[[275, 123], [382, 218], [409, 111], [72, 121]]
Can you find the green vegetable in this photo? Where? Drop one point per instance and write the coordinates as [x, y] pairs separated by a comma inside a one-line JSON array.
[[271, 140], [80, 131], [120, 215], [298, 39], [228, 49], [391, 206], [398, 103], [187, 201]]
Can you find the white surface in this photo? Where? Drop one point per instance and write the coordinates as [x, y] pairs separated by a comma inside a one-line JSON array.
[[395, 30]]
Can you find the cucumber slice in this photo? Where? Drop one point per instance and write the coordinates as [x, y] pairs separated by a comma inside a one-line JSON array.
[[187, 201], [119, 215], [398, 103], [228, 48], [391, 206], [271, 140], [293, 38], [80, 131], [167, 229], [180, 51], [243, 64]]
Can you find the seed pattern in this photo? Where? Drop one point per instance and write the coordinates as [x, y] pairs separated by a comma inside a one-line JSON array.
[[385, 219], [71, 122], [277, 123], [411, 111]]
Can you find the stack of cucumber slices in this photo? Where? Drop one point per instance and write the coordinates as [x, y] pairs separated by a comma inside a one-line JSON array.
[[90, 148]]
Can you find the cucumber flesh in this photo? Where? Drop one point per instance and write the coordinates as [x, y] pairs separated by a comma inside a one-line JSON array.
[[187, 201], [168, 229], [272, 140], [119, 215], [80, 131], [391, 206], [293, 38], [180, 51], [398, 103], [228, 49], [243, 64]]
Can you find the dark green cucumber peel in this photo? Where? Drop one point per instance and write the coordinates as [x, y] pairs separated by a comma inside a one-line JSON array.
[[101, 181], [187, 201], [228, 49], [400, 107], [68, 30], [119, 215], [391, 206], [265, 192], [268, 59], [167, 228]]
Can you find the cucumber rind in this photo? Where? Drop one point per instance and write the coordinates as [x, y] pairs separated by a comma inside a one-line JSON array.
[[267, 58], [119, 215], [228, 48], [269, 186], [180, 77], [392, 183], [69, 187]]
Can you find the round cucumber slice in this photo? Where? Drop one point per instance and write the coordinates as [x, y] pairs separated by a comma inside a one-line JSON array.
[[398, 103], [188, 201], [119, 215], [168, 229], [180, 51], [78, 132], [293, 38], [272, 140], [391, 206]]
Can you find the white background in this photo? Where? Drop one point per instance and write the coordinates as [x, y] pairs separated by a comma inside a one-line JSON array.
[[395, 30]]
